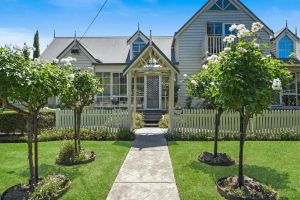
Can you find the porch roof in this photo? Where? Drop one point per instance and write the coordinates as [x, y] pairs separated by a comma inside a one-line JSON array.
[[151, 49]]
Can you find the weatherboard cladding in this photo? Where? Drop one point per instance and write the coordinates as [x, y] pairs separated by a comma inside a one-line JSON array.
[[105, 49]]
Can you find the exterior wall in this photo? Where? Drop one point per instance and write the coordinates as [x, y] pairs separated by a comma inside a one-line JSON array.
[[191, 45]]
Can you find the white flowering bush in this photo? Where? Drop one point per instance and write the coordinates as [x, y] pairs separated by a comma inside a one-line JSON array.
[[242, 78], [80, 92]]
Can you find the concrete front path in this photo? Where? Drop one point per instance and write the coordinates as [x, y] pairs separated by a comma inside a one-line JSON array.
[[146, 173]]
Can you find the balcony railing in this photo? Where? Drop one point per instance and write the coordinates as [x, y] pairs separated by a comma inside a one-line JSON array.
[[215, 44]]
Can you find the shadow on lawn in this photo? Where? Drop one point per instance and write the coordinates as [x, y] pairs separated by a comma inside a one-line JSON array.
[[265, 175], [70, 171]]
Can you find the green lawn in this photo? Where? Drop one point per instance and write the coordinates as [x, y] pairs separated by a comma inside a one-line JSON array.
[[273, 163], [90, 181]]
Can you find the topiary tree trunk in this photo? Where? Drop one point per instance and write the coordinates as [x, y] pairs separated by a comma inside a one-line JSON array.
[[244, 120], [217, 126]]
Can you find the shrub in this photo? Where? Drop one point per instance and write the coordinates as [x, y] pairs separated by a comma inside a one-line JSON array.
[[12, 122], [51, 187], [139, 120], [284, 135], [66, 153], [164, 121], [68, 134]]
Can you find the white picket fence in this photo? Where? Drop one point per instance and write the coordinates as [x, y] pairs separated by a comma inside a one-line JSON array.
[[202, 121], [110, 120]]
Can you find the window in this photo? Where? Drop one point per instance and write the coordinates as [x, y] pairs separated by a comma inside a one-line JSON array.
[[137, 47], [223, 5], [291, 94], [285, 47], [215, 29], [115, 94]]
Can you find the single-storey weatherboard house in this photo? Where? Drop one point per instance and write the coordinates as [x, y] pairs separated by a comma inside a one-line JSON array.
[[143, 73]]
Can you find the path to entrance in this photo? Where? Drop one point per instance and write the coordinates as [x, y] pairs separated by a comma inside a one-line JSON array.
[[146, 173]]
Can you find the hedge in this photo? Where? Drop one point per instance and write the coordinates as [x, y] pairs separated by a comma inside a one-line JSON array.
[[12, 122], [280, 136], [68, 134]]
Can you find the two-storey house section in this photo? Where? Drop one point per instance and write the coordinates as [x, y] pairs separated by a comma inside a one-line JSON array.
[[286, 47], [203, 34]]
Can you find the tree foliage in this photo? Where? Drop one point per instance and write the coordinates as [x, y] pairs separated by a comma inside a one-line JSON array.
[[30, 83], [81, 92], [36, 45]]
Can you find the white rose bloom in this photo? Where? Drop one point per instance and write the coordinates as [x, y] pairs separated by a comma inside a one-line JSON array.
[[213, 59], [205, 67], [72, 76], [194, 82], [212, 84], [185, 75], [277, 84], [229, 39], [256, 44], [233, 28], [256, 27], [56, 61], [243, 33], [227, 49], [242, 50]]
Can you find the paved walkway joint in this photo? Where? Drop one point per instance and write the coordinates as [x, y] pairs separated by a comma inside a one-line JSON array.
[[147, 172]]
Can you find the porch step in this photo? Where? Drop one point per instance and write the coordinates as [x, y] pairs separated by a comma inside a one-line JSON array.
[[148, 125], [152, 118]]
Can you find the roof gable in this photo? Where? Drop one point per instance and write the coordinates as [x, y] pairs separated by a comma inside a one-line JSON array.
[[288, 32], [151, 47], [136, 35], [84, 49], [210, 3]]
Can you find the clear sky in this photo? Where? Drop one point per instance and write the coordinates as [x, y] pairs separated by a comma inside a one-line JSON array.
[[19, 19]]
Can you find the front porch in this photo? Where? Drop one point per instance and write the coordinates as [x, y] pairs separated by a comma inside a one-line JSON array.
[[151, 76]]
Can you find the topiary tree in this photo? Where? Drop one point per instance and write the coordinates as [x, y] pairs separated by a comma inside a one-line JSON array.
[[202, 86], [80, 93], [247, 79], [30, 83]]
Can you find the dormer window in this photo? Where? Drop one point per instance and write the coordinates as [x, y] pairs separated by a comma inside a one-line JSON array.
[[137, 46], [285, 47], [223, 5]]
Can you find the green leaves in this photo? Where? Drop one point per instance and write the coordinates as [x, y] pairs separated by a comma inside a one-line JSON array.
[[82, 88], [29, 82]]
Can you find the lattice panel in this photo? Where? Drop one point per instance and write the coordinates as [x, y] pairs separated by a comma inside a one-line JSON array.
[[153, 92]]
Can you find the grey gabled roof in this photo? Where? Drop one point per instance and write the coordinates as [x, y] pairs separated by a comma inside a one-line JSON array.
[[105, 49], [286, 29]]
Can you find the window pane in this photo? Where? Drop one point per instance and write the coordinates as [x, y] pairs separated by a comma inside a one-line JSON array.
[[218, 29], [106, 91], [116, 78], [116, 90], [123, 79], [289, 100], [210, 29], [123, 90]]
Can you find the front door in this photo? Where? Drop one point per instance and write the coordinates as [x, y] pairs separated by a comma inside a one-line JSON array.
[[153, 92]]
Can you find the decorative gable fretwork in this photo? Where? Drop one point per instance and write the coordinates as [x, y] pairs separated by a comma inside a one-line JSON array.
[[223, 5]]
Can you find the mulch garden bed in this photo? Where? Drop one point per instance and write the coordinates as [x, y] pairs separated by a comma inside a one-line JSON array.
[[22, 192], [221, 160], [252, 190]]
